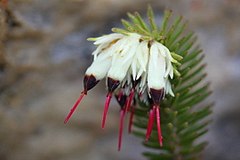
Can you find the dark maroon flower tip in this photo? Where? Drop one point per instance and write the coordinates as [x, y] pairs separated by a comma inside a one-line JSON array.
[[121, 99], [89, 82], [112, 84], [156, 95]]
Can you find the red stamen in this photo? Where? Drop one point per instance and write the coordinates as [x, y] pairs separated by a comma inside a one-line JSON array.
[[107, 102], [74, 107], [157, 110], [129, 101], [122, 113], [131, 119], [150, 124]]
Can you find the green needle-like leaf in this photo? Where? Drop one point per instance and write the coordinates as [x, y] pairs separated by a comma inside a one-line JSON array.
[[183, 117], [151, 18], [166, 17]]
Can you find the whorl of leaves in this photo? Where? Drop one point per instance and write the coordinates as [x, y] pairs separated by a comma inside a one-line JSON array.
[[183, 117]]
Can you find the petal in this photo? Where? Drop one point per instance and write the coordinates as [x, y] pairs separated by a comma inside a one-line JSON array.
[[169, 64], [168, 68], [142, 56], [169, 88], [156, 69], [140, 72], [145, 51], [143, 82], [108, 38], [119, 49], [118, 71], [144, 97], [161, 49], [168, 54], [99, 48], [100, 66], [131, 52], [171, 73], [134, 67], [122, 60]]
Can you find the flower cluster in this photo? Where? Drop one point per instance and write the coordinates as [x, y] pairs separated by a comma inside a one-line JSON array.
[[136, 69]]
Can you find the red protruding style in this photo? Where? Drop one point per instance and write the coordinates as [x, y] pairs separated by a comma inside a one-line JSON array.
[[150, 124], [112, 85], [74, 107], [156, 96], [107, 103], [131, 119], [129, 101], [89, 81], [160, 138], [122, 114]]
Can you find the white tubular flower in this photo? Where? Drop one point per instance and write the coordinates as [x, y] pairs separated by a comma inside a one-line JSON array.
[[156, 68], [135, 68], [138, 69]]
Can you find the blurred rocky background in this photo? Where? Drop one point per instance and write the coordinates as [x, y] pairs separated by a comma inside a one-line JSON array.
[[43, 56]]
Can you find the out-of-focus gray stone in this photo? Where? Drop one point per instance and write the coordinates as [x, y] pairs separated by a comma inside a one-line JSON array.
[[48, 54]]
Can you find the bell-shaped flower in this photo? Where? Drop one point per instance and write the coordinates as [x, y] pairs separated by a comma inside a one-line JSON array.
[[136, 69]]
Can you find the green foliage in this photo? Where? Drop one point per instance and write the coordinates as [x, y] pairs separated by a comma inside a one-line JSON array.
[[183, 117]]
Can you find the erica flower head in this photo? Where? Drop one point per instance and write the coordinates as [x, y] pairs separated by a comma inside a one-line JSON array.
[[136, 67]]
